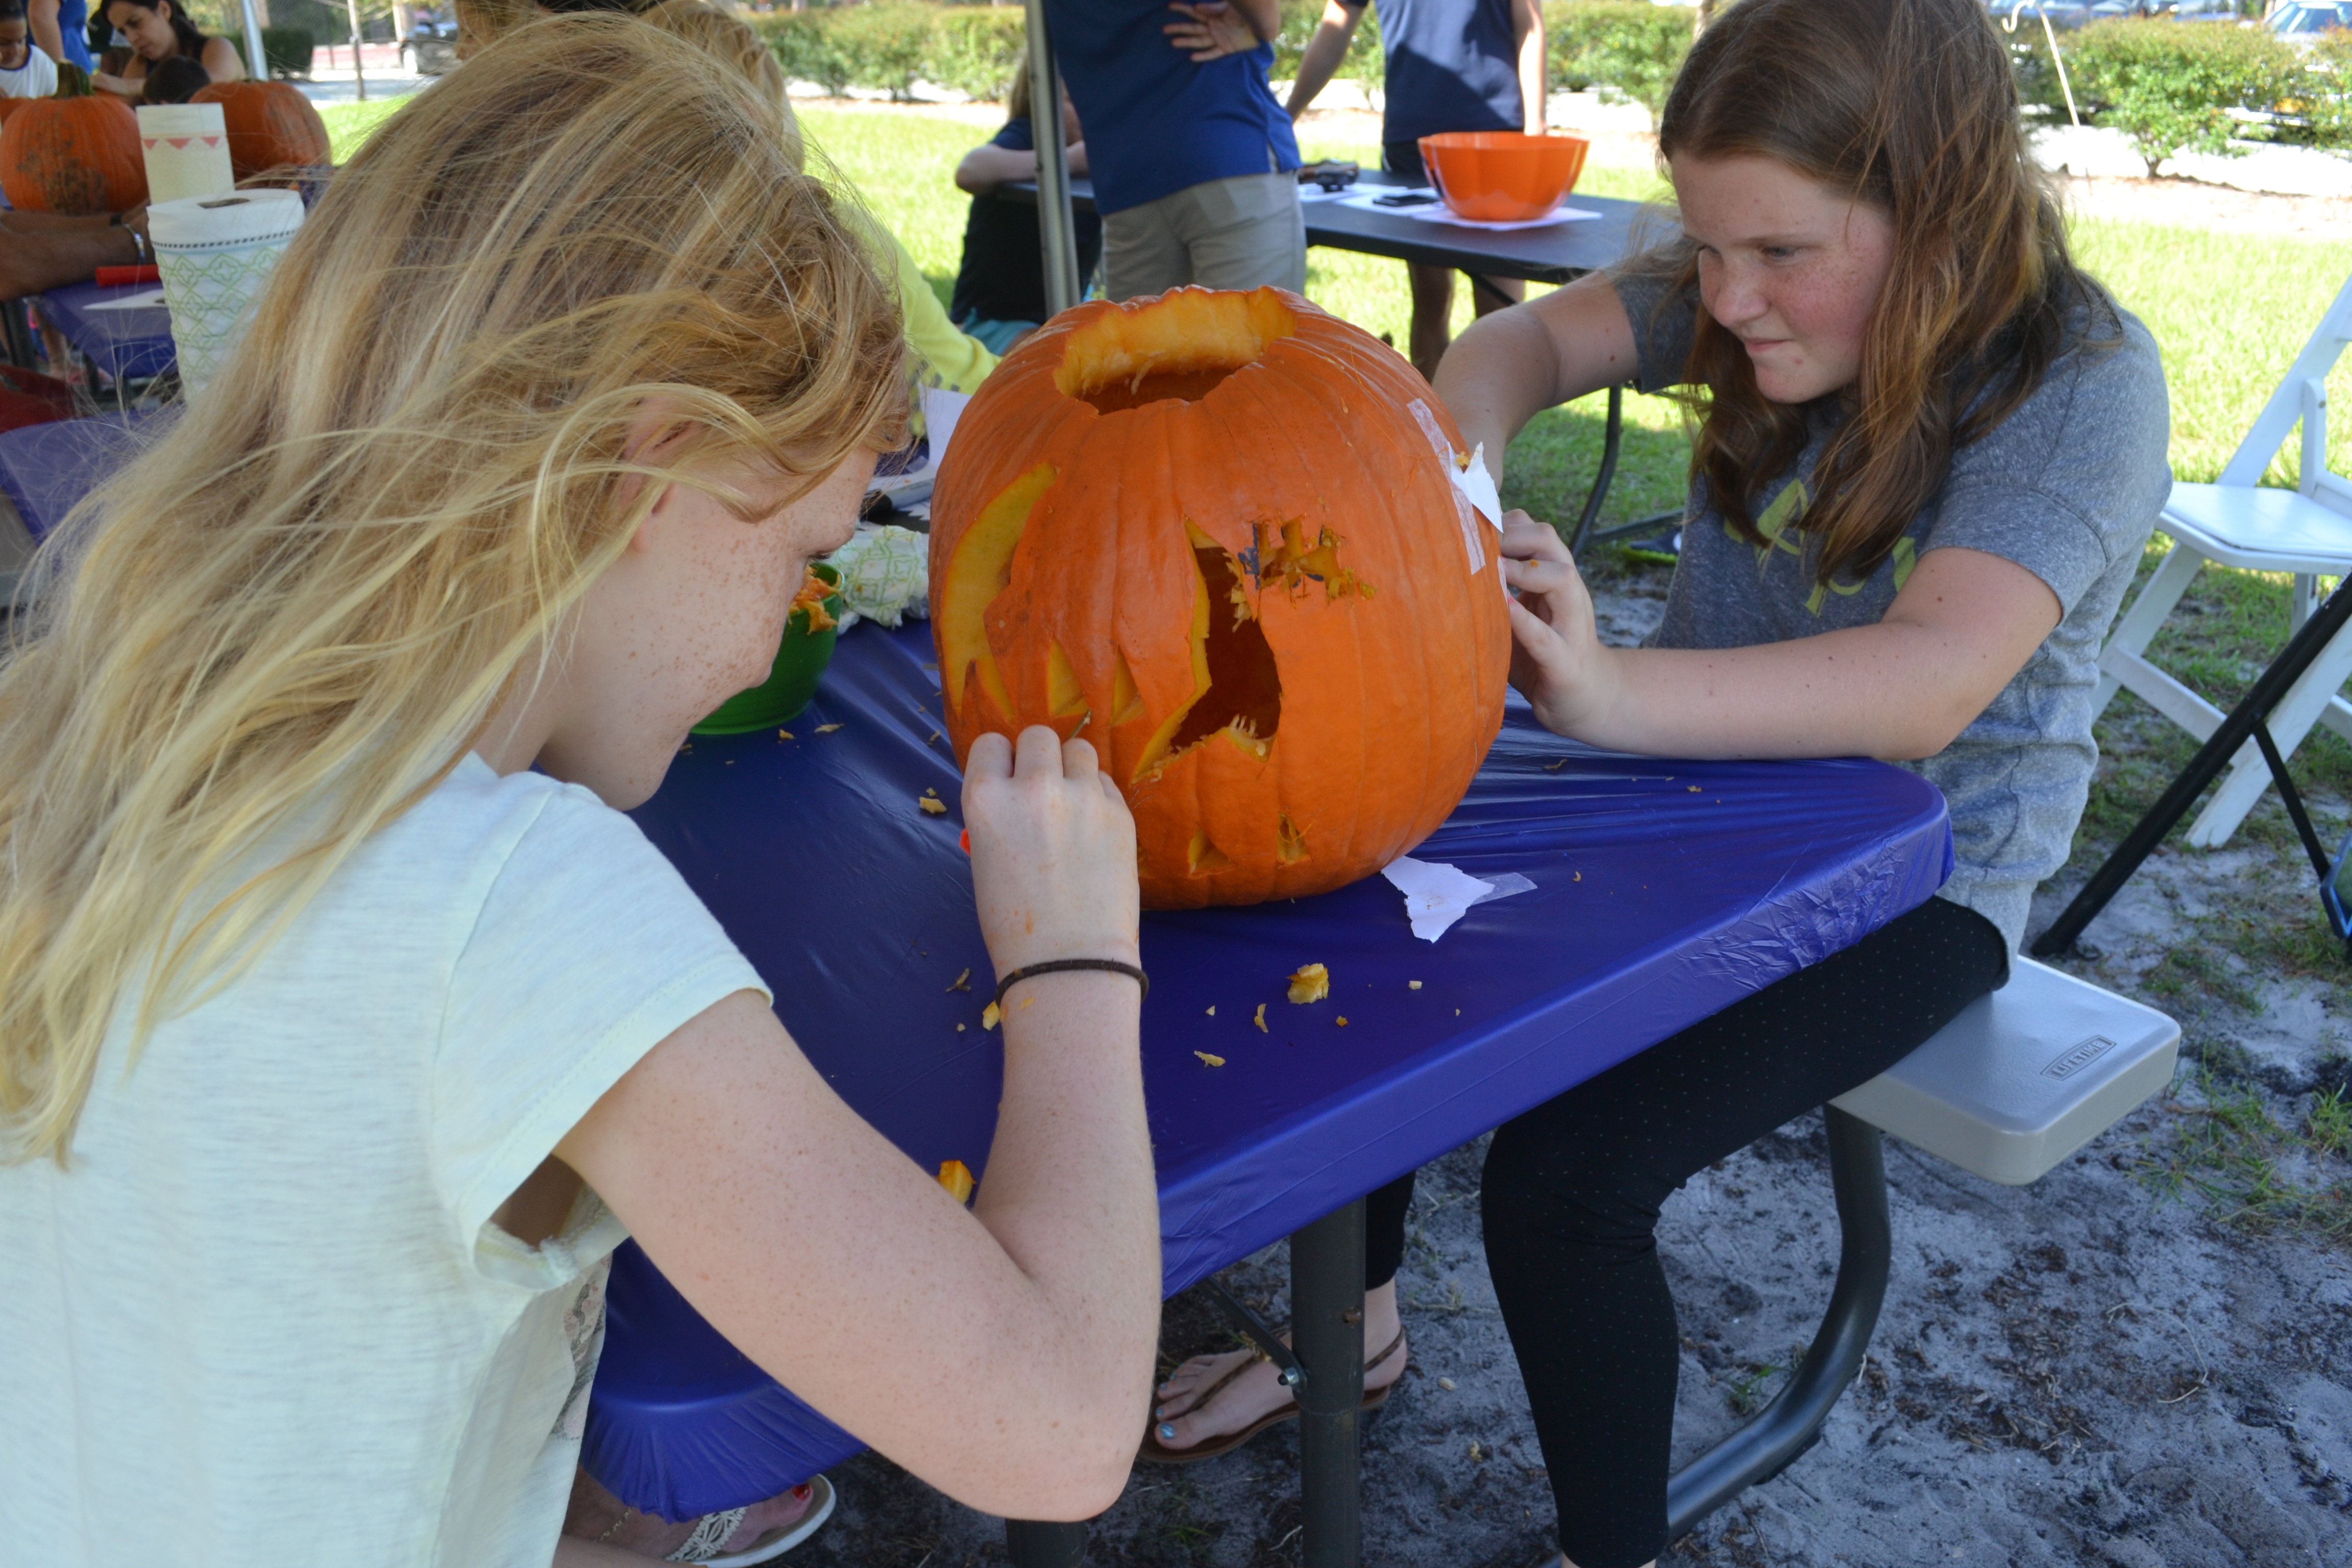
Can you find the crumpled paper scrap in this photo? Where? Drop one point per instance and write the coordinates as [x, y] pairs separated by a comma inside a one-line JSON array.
[[886, 575], [1436, 894], [1477, 486]]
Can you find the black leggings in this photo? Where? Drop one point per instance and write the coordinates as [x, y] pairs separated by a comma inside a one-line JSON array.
[[1574, 1186]]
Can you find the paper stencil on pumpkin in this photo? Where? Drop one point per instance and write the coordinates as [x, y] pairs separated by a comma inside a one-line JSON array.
[[1201, 531], [1462, 508]]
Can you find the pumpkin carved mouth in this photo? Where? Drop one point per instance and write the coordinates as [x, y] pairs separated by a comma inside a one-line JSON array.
[[1237, 690]]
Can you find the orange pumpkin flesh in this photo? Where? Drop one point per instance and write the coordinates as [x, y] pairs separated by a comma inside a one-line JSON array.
[[1209, 531], [270, 126], [75, 154]]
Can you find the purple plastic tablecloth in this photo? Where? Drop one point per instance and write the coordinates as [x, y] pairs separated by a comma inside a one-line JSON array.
[[128, 345], [1664, 891], [45, 469]]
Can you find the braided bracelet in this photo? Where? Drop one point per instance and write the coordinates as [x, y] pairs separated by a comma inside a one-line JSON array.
[[1061, 965]]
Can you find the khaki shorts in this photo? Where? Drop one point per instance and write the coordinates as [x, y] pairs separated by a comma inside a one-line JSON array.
[[1242, 233]]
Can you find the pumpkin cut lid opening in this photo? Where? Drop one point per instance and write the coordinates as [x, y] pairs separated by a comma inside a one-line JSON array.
[[1177, 348]]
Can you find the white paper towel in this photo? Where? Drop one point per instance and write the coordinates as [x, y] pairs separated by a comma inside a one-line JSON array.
[[186, 148], [216, 254]]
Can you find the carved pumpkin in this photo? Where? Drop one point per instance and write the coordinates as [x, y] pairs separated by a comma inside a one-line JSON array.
[[75, 153], [1216, 534], [270, 126]]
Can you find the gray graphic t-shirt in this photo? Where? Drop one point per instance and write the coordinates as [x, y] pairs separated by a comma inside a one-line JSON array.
[[2068, 487]]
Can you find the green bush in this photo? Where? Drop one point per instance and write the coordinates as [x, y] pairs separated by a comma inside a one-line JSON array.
[[977, 50], [805, 46], [889, 44], [286, 50], [1630, 49], [2326, 94], [2170, 87]]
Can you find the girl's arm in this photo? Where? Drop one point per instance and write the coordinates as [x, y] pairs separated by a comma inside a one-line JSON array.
[[1005, 1354], [1514, 364], [1527, 30], [987, 166], [1324, 53], [221, 62], [1963, 626], [41, 21]]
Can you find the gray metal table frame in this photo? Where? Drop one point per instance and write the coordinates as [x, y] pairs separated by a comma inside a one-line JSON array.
[[1325, 1368], [1561, 253]]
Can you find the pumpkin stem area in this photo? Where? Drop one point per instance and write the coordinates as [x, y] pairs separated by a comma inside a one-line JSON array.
[[1178, 347]]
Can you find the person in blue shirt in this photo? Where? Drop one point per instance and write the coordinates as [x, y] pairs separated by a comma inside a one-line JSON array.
[[1000, 287], [1194, 164], [1451, 65], [58, 27]]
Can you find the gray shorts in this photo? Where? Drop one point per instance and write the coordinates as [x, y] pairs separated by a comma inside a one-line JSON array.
[[1242, 233]]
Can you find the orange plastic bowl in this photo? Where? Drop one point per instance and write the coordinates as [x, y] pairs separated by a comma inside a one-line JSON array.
[[1503, 176]]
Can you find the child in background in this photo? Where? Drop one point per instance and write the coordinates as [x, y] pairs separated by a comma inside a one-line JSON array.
[[1000, 289], [345, 1023], [24, 71], [175, 80]]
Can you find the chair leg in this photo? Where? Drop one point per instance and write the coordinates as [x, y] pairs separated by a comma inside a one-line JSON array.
[[2139, 624], [2309, 698], [1762, 1448], [1035, 1544]]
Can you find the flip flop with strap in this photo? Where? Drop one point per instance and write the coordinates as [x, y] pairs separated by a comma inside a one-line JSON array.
[[711, 1531], [1152, 1452]]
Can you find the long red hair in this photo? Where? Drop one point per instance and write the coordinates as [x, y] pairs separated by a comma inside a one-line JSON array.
[[1908, 105]]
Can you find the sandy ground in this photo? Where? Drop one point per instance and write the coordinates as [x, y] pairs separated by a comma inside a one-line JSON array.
[[2068, 1374]]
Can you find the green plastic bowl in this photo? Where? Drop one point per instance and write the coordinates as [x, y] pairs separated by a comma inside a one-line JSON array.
[[791, 683]]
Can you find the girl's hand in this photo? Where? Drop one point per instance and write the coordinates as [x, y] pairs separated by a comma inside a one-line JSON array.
[[1052, 852], [1557, 659]]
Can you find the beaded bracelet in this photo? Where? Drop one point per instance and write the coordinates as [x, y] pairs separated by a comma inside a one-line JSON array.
[[1061, 965]]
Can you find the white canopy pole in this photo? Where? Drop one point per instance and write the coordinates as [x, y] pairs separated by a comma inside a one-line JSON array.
[[1057, 233], [255, 61]]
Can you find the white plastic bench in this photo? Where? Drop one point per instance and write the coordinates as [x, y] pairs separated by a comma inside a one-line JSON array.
[[2015, 1084]]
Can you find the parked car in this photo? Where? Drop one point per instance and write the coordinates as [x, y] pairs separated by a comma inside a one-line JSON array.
[[2205, 10], [2301, 22]]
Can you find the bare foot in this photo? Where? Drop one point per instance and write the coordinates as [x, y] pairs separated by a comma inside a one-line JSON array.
[[596, 1514], [1258, 1392]]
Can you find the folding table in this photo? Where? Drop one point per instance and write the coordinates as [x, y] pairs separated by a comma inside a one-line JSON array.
[[45, 469], [1664, 891], [128, 345]]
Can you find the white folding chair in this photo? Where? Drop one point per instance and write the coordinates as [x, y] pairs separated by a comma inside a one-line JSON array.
[[2306, 532]]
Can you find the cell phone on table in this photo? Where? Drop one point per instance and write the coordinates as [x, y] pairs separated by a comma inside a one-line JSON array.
[[1404, 199]]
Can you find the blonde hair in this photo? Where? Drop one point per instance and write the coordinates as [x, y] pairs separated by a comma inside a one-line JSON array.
[[288, 621], [729, 41]]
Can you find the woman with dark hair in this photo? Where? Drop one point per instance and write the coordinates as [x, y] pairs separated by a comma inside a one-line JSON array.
[[1930, 450], [159, 30]]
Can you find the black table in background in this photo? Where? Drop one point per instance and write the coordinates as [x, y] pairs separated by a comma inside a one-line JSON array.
[[1560, 253]]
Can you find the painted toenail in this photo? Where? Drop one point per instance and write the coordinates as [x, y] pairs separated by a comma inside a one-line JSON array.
[[1166, 1432]]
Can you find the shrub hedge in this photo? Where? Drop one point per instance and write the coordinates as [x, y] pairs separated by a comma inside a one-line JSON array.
[[2171, 88]]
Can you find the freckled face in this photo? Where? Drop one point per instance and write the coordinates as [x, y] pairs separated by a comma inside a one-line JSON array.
[[1792, 266]]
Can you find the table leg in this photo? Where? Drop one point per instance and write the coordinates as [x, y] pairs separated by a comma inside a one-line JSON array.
[[1326, 1321], [1039, 1544], [1612, 436], [1762, 1448]]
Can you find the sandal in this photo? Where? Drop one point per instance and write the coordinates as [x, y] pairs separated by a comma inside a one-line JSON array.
[[711, 1531], [1210, 1448]]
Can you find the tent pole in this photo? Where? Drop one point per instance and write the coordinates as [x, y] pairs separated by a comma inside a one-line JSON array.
[[1057, 233], [255, 61]]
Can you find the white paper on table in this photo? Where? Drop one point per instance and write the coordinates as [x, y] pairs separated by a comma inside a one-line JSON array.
[[1436, 894], [1443, 214], [151, 300], [941, 409]]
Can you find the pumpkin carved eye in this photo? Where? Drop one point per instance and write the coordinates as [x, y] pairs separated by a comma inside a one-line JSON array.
[[1207, 530]]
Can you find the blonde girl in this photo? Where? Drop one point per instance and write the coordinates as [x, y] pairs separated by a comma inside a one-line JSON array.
[[346, 1024]]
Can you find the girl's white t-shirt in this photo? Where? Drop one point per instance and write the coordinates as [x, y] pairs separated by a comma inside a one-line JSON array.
[[264, 1316], [36, 78]]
